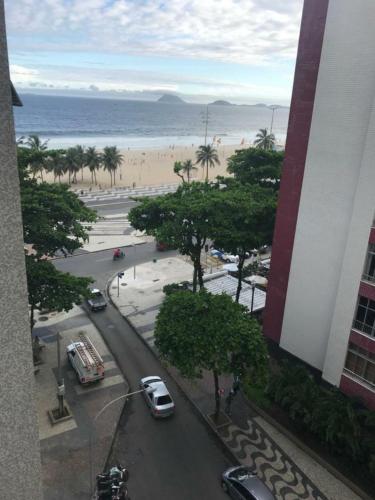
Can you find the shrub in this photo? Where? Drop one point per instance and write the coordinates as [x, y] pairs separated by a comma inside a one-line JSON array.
[[335, 419]]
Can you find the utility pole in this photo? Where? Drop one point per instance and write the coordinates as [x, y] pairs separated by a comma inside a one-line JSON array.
[[60, 380], [273, 112], [205, 121]]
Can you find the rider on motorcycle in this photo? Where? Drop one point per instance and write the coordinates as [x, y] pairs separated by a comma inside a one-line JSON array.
[[117, 253]]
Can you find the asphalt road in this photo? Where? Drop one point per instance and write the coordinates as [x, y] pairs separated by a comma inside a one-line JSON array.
[[172, 459]]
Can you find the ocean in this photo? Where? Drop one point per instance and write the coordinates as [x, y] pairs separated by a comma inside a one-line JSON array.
[[67, 121]]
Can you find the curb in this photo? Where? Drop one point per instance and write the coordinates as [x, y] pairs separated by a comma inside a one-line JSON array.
[[227, 450], [330, 468], [97, 251]]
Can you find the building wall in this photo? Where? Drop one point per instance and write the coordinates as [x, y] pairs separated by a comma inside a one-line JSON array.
[[335, 210], [300, 116], [19, 441]]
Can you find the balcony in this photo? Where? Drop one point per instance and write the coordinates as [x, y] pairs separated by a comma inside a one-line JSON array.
[[369, 278], [363, 327]]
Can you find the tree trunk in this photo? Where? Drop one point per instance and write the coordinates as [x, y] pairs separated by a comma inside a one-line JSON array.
[[195, 273], [217, 395], [92, 177], [200, 275], [82, 174], [69, 173], [240, 268], [207, 171], [96, 182]]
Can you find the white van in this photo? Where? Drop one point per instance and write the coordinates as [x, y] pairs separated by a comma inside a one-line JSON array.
[[85, 360]]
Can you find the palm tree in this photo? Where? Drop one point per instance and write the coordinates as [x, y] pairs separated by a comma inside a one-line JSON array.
[[187, 168], [38, 157], [73, 163], [111, 160], [58, 165], [80, 159], [207, 156], [93, 160], [264, 140]]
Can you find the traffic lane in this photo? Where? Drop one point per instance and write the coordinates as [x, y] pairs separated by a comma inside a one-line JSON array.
[[101, 266], [175, 458]]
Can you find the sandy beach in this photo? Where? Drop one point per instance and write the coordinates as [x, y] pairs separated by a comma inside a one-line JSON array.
[[152, 167]]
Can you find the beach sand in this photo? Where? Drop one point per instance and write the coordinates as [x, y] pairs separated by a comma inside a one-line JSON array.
[[152, 167]]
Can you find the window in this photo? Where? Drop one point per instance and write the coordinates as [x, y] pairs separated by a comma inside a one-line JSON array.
[[164, 400], [361, 363], [365, 316], [369, 270]]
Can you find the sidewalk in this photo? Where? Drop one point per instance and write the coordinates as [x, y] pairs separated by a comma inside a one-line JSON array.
[[288, 471], [65, 446]]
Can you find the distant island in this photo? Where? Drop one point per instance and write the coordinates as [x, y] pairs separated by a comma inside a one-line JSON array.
[[221, 103], [171, 99]]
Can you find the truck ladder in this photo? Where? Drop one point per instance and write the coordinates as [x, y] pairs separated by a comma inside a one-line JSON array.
[[91, 350]]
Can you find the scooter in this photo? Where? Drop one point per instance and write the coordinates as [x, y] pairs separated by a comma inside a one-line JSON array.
[[119, 256], [111, 485]]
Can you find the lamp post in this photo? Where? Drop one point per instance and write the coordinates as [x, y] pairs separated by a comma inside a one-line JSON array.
[[124, 396], [273, 109]]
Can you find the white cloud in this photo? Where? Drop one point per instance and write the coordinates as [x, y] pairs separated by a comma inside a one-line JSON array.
[[22, 74], [241, 31]]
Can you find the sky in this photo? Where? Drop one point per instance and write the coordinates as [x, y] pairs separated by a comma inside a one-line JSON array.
[[240, 50]]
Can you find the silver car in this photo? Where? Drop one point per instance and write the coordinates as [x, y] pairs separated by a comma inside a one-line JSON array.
[[157, 396], [242, 483]]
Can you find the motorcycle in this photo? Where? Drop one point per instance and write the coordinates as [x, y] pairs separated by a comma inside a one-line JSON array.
[[118, 256], [111, 485]]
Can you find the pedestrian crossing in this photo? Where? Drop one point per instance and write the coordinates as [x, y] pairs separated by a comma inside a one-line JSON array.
[[110, 226], [115, 195]]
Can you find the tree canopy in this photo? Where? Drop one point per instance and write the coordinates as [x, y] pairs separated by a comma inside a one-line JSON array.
[[244, 220], [183, 220], [257, 166], [202, 331], [52, 220], [264, 140]]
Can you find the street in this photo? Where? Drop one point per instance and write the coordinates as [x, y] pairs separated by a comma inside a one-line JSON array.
[[176, 458]]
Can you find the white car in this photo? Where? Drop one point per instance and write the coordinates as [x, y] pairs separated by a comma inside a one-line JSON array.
[[157, 396]]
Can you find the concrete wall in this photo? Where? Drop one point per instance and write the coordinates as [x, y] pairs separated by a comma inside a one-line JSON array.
[[337, 202], [20, 469]]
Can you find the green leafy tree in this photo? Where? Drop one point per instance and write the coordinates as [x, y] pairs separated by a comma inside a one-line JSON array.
[[111, 159], [201, 331], [264, 140], [181, 168], [183, 220], [244, 220], [52, 220], [93, 161], [207, 156], [52, 290], [257, 166]]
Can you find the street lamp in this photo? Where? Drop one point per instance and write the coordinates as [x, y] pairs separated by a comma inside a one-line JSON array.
[[273, 109], [124, 396]]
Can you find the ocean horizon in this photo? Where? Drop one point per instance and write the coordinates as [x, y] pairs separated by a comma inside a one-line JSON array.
[[67, 121]]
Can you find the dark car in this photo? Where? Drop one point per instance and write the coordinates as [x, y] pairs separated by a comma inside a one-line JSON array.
[[242, 483]]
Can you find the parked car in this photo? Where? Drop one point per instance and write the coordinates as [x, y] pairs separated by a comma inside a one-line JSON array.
[[157, 396], [243, 484], [97, 301], [226, 257]]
